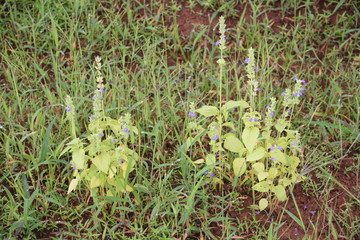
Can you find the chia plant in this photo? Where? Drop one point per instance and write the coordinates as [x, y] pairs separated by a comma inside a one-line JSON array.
[[264, 149], [102, 160]]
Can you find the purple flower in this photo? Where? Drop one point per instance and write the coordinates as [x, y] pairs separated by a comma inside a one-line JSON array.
[[68, 109], [73, 168], [272, 148], [273, 158], [258, 212], [296, 95], [256, 68], [272, 113], [246, 60], [93, 98], [101, 90], [191, 114], [283, 94], [305, 208], [303, 81], [217, 43], [256, 120], [312, 212], [287, 99], [251, 119], [302, 89], [293, 143], [100, 134], [215, 137], [114, 140], [92, 116], [126, 130], [212, 175], [280, 148], [206, 172], [122, 160], [268, 107], [70, 163], [295, 78], [258, 89]]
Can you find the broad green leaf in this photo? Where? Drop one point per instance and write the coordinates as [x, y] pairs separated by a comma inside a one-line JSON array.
[[106, 145], [95, 182], [278, 156], [102, 161], [239, 166], [281, 125], [73, 185], [230, 125], [78, 158], [263, 203], [258, 167], [208, 111], [249, 137], [233, 104], [266, 135], [114, 125], [262, 175], [233, 144], [285, 181], [272, 173], [210, 159], [280, 192], [257, 154], [262, 186], [293, 161]]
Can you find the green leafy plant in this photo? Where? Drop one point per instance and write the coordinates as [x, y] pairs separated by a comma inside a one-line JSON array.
[[103, 159], [263, 149]]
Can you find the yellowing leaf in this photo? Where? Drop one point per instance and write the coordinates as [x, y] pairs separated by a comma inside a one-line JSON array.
[[262, 187], [129, 188], [208, 111], [233, 144], [263, 203], [199, 161], [239, 166], [280, 192], [249, 137], [257, 154], [73, 185]]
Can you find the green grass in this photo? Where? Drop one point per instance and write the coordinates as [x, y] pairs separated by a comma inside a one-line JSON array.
[[48, 52]]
